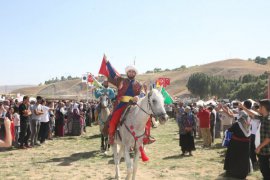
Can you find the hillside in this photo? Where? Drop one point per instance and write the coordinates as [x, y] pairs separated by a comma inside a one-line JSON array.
[[232, 68], [9, 88]]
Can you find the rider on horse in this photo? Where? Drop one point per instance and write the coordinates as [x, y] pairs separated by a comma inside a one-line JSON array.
[[128, 90], [106, 90], [109, 94]]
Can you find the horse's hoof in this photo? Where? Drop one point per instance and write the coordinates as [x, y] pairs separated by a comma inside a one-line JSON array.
[[117, 177]]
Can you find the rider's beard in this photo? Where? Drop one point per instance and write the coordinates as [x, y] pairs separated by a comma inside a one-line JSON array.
[[106, 86], [131, 77]]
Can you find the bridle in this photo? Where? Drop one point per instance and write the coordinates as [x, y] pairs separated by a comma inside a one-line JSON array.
[[150, 114], [149, 105], [108, 102]]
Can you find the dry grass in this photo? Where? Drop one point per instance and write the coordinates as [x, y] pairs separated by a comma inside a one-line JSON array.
[[80, 158]]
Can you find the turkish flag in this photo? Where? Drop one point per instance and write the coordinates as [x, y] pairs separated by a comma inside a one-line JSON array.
[[161, 81], [167, 81], [90, 79], [103, 68]]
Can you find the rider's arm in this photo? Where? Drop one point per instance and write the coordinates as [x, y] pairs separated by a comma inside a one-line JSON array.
[[113, 77], [111, 94], [97, 93]]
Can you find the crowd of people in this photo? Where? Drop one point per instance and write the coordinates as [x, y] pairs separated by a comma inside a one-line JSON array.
[[244, 127], [28, 123]]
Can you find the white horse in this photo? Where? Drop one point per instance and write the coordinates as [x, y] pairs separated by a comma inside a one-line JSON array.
[[132, 131], [102, 119]]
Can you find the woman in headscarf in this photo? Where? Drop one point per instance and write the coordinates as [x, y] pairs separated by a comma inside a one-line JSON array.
[[237, 161], [76, 123], [187, 126]]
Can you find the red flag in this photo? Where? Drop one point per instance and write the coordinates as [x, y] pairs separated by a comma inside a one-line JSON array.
[[103, 68], [161, 81], [90, 78], [167, 81]]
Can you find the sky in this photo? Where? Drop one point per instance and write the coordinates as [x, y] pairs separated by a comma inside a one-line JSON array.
[[40, 40]]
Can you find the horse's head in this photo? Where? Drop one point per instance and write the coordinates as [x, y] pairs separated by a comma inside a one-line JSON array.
[[104, 101], [156, 103]]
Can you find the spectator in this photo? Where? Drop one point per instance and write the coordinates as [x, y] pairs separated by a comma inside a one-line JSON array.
[[52, 121], [218, 123], [60, 120], [44, 126], [187, 126], [25, 113], [237, 160], [263, 149], [17, 126], [254, 128], [226, 117], [180, 112], [76, 126], [35, 121], [7, 142], [3, 113], [204, 118], [212, 123], [10, 116]]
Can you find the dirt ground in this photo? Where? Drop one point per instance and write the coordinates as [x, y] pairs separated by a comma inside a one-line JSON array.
[[80, 158]]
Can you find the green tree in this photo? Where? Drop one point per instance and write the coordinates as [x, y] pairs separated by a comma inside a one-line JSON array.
[[157, 70], [199, 84], [260, 60], [63, 78]]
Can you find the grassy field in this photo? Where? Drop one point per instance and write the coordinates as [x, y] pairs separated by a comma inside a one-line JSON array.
[[80, 158]]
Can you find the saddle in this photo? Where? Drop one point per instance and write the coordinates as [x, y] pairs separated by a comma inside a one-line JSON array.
[[124, 115], [123, 118]]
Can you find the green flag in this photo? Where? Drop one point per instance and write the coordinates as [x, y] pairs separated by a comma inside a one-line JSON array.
[[167, 98]]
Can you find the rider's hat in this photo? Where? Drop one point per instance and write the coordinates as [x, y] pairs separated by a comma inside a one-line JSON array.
[[131, 68]]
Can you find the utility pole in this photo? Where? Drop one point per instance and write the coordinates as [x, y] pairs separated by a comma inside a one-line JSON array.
[[268, 87]]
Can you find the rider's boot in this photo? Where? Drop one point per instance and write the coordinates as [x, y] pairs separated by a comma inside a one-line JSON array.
[[111, 139], [148, 140]]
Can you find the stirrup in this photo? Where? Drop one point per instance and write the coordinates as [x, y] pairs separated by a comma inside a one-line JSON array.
[[149, 140]]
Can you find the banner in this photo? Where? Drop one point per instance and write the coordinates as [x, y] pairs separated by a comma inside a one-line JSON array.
[[167, 98], [92, 81], [163, 82], [84, 78]]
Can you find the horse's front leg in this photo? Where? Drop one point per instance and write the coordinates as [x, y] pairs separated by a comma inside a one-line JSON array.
[[102, 143], [135, 165], [128, 163], [117, 158]]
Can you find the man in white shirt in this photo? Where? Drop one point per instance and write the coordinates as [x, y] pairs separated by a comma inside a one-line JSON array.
[[255, 123], [35, 121], [44, 127]]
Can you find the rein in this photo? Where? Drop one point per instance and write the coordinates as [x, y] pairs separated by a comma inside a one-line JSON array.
[[148, 105], [153, 114]]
